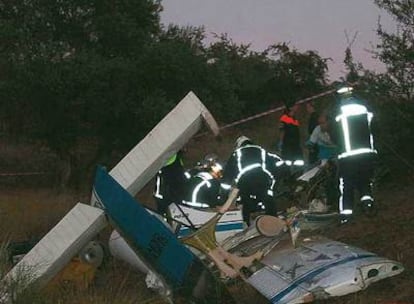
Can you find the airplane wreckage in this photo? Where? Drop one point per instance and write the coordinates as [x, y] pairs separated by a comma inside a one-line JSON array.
[[267, 256]]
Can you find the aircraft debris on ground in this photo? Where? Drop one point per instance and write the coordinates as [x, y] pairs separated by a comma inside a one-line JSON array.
[[268, 256]]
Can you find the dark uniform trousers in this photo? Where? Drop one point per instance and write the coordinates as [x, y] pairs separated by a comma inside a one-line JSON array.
[[256, 186], [356, 173]]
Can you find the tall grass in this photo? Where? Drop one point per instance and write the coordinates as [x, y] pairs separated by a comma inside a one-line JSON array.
[[114, 284], [19, 288]]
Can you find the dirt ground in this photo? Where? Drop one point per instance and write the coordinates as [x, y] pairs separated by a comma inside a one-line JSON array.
[[30, 213], [389, 234]]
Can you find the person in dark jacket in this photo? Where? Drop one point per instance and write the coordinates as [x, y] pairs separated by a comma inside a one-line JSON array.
[[313, 122], [356, 153], [289, 137], [169, 183], [252, 170]]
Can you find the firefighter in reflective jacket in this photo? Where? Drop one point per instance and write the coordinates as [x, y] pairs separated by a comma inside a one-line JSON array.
[[169, 183], [251, 169], [203, 188], [357, 154]]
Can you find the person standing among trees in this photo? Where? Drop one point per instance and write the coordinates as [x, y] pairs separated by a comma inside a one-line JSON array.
[[322, 140], [312, 123], [289, 137], [356, 153]]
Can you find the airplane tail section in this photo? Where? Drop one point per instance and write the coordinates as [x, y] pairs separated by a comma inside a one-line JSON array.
[[147, 235]]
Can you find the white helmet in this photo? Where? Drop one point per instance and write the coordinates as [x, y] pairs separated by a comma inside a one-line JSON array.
[[345, 90], [241, 141], [210, 159]]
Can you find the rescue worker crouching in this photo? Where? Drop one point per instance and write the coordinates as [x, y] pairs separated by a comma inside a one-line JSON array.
[[251, 169], [203, 184], [356, 153]]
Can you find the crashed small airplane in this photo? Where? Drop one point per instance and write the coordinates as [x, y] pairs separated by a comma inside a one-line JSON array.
[[262, 255], [267, 256], [318, 268]]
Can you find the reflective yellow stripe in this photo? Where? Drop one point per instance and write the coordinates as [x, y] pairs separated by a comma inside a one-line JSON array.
[[171, 160]]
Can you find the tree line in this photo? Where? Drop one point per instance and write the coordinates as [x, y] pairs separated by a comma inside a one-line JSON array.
[[105, 72]]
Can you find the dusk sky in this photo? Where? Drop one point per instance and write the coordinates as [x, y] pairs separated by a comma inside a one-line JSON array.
[[317, 25]]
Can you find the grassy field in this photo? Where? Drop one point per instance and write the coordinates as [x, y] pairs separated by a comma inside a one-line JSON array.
[[30, 212]]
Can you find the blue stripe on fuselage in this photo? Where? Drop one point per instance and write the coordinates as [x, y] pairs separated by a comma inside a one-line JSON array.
[[219, 228], [314, 273]]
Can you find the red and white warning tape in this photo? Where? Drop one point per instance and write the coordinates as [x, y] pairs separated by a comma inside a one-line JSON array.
[[241, 121]]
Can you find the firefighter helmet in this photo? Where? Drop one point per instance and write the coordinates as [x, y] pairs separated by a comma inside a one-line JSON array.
[[210, 159], [242, 141], [344, 90]]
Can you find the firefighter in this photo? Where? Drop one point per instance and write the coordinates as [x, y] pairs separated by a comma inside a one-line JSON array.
[[203, 187], [356, 153], [251, 169], [202, 165], [169, 183]]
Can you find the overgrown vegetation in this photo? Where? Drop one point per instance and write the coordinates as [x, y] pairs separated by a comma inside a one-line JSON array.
[[116, 284], [17, 289], [87, 80], [391, 94], [84, 81], [103, 73]]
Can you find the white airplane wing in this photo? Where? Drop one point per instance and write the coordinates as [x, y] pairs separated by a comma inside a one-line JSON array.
[[166, 138], [318, 269]]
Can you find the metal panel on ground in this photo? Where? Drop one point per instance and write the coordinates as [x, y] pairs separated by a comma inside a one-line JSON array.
[[168, 137], [318, 269], [59, 245]]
